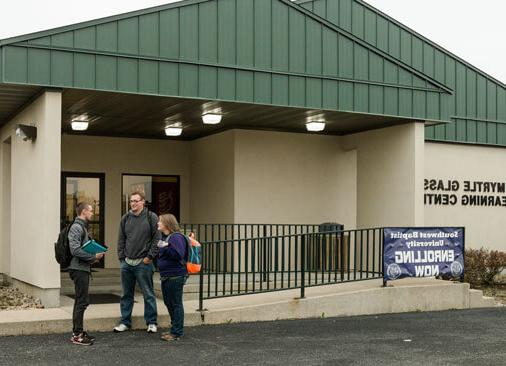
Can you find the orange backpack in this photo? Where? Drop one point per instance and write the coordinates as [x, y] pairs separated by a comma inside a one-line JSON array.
[[193, 254]]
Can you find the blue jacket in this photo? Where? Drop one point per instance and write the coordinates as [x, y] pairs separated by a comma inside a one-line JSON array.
[[172, 258]]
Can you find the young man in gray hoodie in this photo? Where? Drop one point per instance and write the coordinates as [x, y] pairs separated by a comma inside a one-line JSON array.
[[79, 271], [137, 247]]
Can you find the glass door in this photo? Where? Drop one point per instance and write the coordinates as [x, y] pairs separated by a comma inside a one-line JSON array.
[[89, 188]]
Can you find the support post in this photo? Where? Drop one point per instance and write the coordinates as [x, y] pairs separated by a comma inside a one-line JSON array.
[[303, 268]]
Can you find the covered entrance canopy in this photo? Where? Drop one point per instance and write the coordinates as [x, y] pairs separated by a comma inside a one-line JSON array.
[[263, 64], [127, 115]]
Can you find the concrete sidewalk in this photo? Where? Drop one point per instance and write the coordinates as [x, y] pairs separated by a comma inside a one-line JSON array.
[[345, 299]]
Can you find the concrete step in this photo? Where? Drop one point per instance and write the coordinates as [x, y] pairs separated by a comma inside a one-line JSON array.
[[477, 300], [109, 282], [108, 289]]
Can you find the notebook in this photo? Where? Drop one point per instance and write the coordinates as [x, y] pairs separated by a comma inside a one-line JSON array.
[[92, 247]]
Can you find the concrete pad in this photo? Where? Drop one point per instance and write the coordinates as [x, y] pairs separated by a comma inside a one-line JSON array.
[[344, 299], [34, 321]]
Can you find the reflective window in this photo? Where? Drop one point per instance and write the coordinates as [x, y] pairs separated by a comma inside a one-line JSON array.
[[162, 192]]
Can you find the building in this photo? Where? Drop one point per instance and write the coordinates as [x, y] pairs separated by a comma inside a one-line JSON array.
[[397, 108]]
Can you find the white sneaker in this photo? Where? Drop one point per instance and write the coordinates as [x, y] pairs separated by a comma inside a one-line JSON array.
[[152, 328], [120, 328]]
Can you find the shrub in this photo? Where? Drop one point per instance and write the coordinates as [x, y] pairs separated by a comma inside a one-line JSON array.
[[482, 266]]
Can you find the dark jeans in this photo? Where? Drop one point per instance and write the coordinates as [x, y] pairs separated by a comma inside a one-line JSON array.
[[143, 274], [172, 290], [82, 300]]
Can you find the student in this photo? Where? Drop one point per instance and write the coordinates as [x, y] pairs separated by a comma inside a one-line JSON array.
[[79, 271], [137, 246], [173, 273]]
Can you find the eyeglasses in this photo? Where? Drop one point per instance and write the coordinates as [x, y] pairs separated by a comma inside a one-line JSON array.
[[135, 201]]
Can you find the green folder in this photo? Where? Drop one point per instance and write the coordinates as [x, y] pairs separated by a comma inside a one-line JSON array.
[[92, 247]]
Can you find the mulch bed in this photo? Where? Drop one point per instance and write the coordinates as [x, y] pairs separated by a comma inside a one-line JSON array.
[[497, 291]]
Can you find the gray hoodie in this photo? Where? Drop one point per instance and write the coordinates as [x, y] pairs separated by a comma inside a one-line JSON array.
[[137, 237], [78, 235]]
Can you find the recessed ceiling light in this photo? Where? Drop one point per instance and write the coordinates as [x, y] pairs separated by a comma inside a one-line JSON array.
[[173, 131], [315, 126], [211, 118], [79, 125]]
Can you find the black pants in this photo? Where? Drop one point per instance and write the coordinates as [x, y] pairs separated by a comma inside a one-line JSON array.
[[81, 284]]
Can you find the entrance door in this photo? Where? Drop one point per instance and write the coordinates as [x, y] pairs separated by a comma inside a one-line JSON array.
[[84, 187]]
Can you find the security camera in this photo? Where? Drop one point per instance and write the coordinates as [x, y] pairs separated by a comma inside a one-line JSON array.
[[27, 133]]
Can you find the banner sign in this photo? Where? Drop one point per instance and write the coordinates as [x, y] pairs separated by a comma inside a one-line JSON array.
[[423, 252]]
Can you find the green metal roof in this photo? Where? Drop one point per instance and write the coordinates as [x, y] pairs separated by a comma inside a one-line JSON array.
[[267, 52], [477, 106]]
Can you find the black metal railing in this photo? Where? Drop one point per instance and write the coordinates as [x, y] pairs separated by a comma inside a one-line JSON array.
[[214, 234], [254, 264], [217, 232]]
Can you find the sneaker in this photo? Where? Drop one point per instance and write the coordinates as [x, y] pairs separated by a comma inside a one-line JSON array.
[[152, 328], [89, 336], [120, 328], [168, 337], [81, 340]]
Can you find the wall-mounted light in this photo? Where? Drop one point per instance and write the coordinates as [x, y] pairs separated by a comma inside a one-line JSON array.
[[173, 130], [79, 125], [211, 118], [27, 133], [315, 126]]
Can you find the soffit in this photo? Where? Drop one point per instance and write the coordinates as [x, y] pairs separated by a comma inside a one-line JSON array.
[[136, 116], [13, 98]]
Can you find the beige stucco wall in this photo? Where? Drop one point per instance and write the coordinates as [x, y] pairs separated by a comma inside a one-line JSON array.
[[212, 178], [485, 226], [5, 205], [390, 163], [35, 196], [293, 178], [268, 177], [234, 176], [117, 156]]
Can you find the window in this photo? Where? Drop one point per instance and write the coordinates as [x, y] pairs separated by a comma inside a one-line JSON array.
[[161, 191]]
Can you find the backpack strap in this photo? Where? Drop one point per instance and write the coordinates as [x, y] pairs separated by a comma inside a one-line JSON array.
[[151, 230], [150, 224], [82, 226]]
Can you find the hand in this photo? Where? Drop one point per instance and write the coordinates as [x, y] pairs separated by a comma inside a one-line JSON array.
[[98, 257], [146, 260]]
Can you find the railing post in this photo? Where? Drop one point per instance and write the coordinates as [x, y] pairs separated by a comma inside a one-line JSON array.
[[303, 268], [201, 285], [463, 253], [264, 254], [382, 243], [341, 257]]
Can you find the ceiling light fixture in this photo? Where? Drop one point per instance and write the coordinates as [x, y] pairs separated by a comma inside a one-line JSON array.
[[79, 125], [315, 126], [211, 118], [173, 131]]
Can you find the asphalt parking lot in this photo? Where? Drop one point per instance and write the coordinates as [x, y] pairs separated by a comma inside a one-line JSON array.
[[465, 337]]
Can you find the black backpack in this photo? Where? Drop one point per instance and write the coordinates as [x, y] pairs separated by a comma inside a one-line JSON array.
[[62, 248]]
